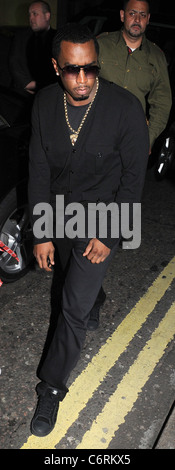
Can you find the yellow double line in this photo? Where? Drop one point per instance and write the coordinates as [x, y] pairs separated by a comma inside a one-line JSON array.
[[89, 380]]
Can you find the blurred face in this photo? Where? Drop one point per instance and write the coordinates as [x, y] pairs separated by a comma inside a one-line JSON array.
[[135, 18], [80, 87], [38, 20]]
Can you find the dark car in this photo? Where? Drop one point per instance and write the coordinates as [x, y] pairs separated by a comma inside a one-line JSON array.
[[165, 150], [15, 231]]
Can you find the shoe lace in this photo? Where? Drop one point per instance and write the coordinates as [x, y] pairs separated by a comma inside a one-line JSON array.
[[46, 405]]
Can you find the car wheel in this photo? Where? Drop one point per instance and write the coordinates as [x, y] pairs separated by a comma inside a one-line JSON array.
[[165, 158], [16, 234]]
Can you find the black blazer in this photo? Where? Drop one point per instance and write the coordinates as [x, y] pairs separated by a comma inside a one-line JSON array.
[[109, 159]]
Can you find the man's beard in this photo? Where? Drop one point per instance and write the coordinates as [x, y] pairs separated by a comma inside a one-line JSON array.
[[81, 98], [135, 34]]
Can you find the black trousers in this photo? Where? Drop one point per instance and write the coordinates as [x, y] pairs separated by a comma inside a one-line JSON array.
[[81, 286]]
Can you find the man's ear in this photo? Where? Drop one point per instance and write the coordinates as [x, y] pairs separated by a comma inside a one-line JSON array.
[[54, 62], [122, 15], [47, 15], [148, 19]]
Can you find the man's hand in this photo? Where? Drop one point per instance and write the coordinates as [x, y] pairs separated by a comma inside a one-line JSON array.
[[96, 251], [30, 87], [44, 254]]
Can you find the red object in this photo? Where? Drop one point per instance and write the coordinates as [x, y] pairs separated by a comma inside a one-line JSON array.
[[4, 248]]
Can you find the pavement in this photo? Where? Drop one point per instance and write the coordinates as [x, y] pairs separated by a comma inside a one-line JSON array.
[[166, 437]]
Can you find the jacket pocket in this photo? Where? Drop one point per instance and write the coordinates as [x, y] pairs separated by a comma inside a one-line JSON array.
[[97, 195], [100, 157]]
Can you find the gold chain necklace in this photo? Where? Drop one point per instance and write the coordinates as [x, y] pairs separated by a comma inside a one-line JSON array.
[[74, 136]]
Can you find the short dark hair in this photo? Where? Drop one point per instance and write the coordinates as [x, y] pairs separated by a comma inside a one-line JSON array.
[[45, 6], [73, 32], [125, 2]]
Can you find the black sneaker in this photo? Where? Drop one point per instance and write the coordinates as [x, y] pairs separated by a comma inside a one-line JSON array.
[[46, 411]]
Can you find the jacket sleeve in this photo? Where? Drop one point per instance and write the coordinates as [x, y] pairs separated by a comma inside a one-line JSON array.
[[134, 152], [159, 99], [39, 171], [18, 62]]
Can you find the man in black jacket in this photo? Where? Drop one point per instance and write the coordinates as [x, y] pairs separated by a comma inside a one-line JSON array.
[[30, 59], [89, 146]]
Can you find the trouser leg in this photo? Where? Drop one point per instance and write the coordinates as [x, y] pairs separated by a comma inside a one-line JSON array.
[[82, 285]]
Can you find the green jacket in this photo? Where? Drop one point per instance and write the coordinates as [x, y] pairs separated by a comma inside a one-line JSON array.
[[143, 72]]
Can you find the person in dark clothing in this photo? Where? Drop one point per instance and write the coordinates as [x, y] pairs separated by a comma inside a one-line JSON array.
[[89, 144], [31, 52]]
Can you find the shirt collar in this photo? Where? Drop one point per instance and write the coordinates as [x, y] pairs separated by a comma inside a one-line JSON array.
[[142, 45]]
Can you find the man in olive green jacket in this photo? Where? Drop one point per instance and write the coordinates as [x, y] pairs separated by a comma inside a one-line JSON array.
[[130, 60]]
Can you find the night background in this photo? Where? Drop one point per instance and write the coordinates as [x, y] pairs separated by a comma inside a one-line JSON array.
[[99, 15], [16, 13]]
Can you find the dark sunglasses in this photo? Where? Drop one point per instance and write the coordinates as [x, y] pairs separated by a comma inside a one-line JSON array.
[[72, 71]]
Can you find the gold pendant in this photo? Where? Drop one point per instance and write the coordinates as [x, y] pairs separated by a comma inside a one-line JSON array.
[[73, 138]]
